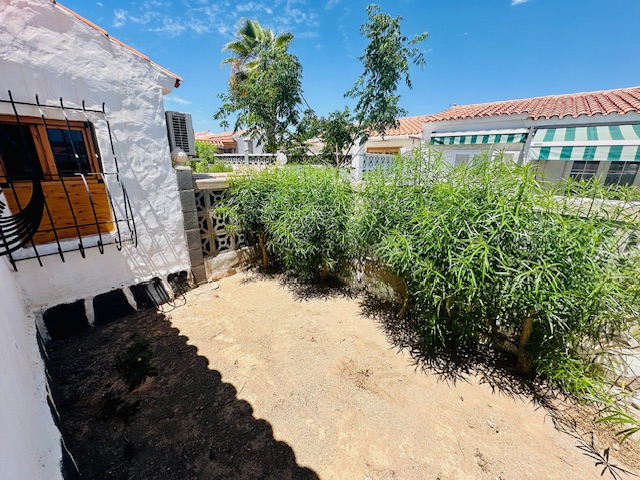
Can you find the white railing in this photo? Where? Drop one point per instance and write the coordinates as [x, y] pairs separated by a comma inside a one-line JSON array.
[[360, 164], [366, 162], [247, 158]]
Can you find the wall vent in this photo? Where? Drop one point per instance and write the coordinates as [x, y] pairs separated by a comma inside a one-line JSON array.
[[180, 131]]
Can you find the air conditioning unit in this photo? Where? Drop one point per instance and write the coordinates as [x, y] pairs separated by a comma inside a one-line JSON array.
[[180, 131]]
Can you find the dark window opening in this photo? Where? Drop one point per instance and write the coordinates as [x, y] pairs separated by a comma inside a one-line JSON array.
[[69, 151], [621, 173], [584, 170], [18, 154]]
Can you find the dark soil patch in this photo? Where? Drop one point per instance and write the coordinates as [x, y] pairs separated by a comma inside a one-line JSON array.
[[171, 417]]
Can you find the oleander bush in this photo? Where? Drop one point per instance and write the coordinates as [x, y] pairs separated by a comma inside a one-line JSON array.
[[488, 251], [301, 215]]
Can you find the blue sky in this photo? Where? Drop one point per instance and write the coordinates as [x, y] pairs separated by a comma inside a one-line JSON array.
[[477, 50]]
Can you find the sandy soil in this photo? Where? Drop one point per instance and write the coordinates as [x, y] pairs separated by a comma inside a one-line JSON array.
[[302, 384]]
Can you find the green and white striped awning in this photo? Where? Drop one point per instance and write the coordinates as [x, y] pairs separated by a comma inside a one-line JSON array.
[[482, 137], [616, 143]]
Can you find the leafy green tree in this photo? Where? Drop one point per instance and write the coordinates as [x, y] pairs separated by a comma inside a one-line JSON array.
[[386, 62], [206, 150], [267, 100], [252, 40], [339, 132]]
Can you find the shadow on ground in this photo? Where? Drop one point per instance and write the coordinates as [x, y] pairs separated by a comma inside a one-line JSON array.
[[181, 422], [496, 369], [303, 289]]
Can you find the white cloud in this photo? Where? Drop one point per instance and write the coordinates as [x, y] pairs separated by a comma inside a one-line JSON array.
[[330, 4], [518, 2], [222, 16], [119, 18], [100, 4], [178, 100]]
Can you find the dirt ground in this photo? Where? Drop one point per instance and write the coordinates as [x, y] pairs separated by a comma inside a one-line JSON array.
[[264, 378]]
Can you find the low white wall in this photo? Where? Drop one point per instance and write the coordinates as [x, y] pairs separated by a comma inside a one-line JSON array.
[[45, 50], [29, 440]]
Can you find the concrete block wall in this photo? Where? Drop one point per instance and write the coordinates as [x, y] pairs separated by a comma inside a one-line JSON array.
[[184, 178]]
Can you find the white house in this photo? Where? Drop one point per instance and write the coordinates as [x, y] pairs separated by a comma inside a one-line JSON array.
[[89, 202], [575, 135], [404, 138], [230, 142]]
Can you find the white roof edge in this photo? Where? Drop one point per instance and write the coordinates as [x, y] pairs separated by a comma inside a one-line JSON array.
[[387, 137], [504, 131]]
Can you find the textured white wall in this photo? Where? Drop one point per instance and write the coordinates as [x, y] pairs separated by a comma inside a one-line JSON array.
[[45, 50], [29, 441]]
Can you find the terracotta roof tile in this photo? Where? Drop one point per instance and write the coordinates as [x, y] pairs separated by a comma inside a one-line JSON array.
[[408, 126], [621, 101], [219, 139], [115, 40]]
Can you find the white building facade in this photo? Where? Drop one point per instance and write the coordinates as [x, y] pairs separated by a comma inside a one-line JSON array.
[[89, 200], [580, 136]]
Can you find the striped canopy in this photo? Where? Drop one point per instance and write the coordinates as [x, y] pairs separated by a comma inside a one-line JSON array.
[[486, 137], [596, 143]]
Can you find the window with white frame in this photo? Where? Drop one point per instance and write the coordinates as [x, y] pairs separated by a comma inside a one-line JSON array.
[[513, 156], [621, 173], [461, 158], [583, 170], [464, 157]]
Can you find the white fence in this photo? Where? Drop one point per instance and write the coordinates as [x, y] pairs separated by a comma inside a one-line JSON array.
[[247, 158], [360, 164], [366, 162]]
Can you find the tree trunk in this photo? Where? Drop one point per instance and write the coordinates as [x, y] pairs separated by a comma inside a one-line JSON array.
[[524, 360], [262, 239], [405, 301], [325, 270]]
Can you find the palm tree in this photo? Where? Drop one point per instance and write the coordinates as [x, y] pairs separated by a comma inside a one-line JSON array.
[[250, 41]]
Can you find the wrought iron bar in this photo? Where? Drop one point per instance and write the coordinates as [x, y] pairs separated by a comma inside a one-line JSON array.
[[113, 150], [134, 232], [37, 187], [46, 205], [95, 217], [73, 147], [73, 215], [52, 106]]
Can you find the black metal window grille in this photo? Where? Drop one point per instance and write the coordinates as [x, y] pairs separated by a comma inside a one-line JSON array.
[[73, 169]]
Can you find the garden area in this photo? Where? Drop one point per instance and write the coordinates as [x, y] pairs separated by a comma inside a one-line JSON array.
[[429, 322], [269, 377]]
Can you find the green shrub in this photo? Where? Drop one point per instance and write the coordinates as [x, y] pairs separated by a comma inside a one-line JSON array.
[[203, 166], [249, 194], [300, 214], [486, 249], [206, 151], [134, 364], [309, 220]]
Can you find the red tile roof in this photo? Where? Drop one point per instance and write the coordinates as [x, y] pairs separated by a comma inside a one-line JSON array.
[[407, 126], [115, 40], [621, 101], [219, 139]]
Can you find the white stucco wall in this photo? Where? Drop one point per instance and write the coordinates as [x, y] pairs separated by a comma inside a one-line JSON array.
[[45, 50], [29, 440], [406, 143]]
